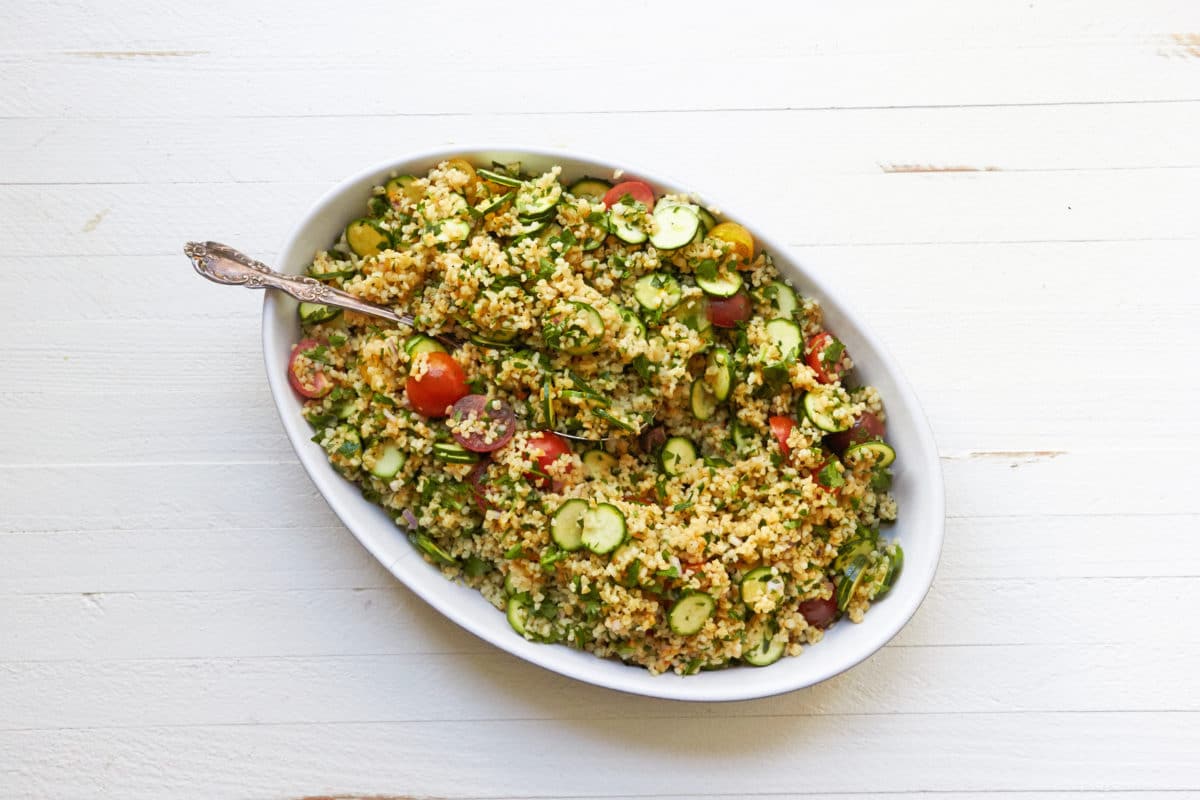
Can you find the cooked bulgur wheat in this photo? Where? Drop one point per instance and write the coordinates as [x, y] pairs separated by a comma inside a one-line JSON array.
[[740, 555]]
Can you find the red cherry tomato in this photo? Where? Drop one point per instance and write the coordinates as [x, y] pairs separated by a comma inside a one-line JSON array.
[[827, 476], [728, 312], [495, 415], [820, 613], [479, 482], [438, 387], [866, 428], [306, 375], [653, 438], [546, 447], [825, 355], [781, 429], [636, 189]]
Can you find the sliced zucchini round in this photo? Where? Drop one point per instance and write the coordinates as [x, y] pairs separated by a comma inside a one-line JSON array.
[[603, 528], [690, 612], [347, 408], [583, 331], [816, 409], [657, 291], [566, 525], [704, 402], [762, 648], [493, 203], [858, 547], [419, 343], [716, 282], [453, 453], [786, 335], [762, 582], [676, 224], [745, 440], [882, 451], [534, 202], [312, 313], [388, 460], [591, 188], [598, 464], [626, 232], [431, 549], [782, 298], [452, 230], [366, 238], [495, 343], [677, 455], [895, 565], [537, 228], [720, 373], [707, 220], [849, 581], [634, 321], [693, 313], [517, 611], [497, 177]]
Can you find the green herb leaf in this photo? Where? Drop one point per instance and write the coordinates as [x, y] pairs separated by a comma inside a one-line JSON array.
[[830, 477], [631, 573], [707, 270], [476, 566], [832, 354]]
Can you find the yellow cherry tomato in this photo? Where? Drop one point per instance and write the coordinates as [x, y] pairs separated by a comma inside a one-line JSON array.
[[474, 187], [736, 235], [462, 164], [404, 186]]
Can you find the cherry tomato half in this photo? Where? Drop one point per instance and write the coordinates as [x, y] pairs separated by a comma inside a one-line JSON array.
[[820, 613], [440, 384], [304, 374], [781, 429], [866, 428], [729, 312], [496, 415], [739, 237], [479, 484], [826, 355], [638, 190], [828, 477], [546, 447]]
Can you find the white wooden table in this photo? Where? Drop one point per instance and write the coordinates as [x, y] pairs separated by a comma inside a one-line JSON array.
[[1007, 189]]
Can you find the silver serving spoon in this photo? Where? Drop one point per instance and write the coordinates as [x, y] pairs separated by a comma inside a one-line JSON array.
[[221, 263]]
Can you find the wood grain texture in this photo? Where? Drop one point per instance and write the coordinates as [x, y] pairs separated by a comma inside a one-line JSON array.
[[1005, 191]]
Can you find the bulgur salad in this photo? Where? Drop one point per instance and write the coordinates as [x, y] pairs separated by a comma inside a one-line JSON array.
[[617, 421]]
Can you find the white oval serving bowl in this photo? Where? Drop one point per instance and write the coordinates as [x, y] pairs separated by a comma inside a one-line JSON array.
[[917, 473]]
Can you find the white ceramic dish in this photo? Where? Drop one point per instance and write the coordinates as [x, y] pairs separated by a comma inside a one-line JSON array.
[[917, 485]]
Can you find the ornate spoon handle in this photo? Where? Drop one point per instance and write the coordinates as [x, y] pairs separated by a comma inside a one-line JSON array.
[[221, 263]]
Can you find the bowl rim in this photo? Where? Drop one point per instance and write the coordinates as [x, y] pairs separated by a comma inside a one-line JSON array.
[[666, 686]]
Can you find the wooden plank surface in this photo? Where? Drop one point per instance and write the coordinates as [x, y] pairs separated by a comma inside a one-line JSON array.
[[1006, 191]]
